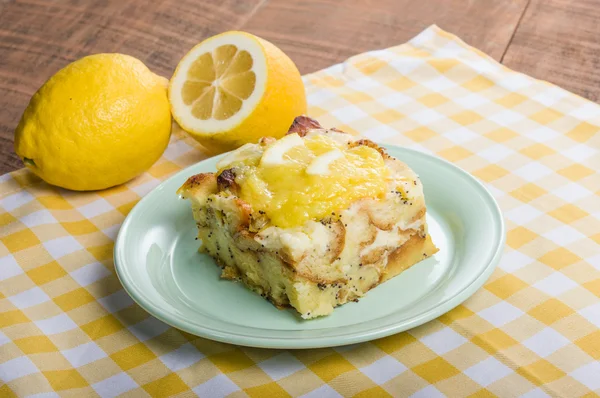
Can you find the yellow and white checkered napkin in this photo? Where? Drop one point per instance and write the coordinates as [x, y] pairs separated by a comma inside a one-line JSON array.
[[67, 325]]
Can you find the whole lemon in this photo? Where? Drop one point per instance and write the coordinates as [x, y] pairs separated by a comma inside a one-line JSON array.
[[96, 123]]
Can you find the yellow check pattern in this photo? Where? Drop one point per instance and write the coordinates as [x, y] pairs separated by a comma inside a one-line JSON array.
[[67, 326]]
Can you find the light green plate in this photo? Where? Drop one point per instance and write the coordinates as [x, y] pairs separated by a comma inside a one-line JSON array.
[[157, 261]]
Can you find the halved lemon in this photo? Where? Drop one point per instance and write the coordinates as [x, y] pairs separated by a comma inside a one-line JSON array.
[[235, 88]]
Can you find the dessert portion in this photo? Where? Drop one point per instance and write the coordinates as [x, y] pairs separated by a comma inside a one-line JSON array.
[[313, 220]]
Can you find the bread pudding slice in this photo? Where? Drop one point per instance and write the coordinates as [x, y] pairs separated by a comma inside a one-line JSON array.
[[313, 220]]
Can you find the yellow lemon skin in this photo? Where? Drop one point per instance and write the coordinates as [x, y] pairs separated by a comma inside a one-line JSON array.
[[96, 123], [283, 99]]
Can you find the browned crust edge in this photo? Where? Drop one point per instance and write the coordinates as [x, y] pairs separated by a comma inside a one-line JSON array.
[[199, 183], [226, 181], [417, 248], [370, 144], [302, 125]]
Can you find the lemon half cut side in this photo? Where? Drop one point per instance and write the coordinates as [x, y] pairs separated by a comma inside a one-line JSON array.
[[235, 88]]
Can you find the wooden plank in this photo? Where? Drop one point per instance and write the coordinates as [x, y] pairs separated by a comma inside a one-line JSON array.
[[319, 33], [559, 41], [38, 37]]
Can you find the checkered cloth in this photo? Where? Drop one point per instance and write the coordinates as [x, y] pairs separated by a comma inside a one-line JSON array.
[[67, 325]]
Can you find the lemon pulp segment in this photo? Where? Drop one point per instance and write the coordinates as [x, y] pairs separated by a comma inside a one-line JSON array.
[[290, 194], [218, 83]]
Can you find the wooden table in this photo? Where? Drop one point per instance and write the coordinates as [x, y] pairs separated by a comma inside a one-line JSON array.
[[554, 40]]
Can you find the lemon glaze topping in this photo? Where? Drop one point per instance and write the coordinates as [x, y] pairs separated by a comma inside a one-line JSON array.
[[299, 179]]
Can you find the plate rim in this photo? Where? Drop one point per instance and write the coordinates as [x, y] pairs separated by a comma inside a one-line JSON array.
[[315, 341]]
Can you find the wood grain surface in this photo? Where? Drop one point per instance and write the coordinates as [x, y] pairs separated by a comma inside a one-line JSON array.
[[319, 33], [555, 40], [559, 41]]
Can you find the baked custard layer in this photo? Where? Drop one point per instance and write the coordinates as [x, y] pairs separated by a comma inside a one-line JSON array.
[[313, 220]]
